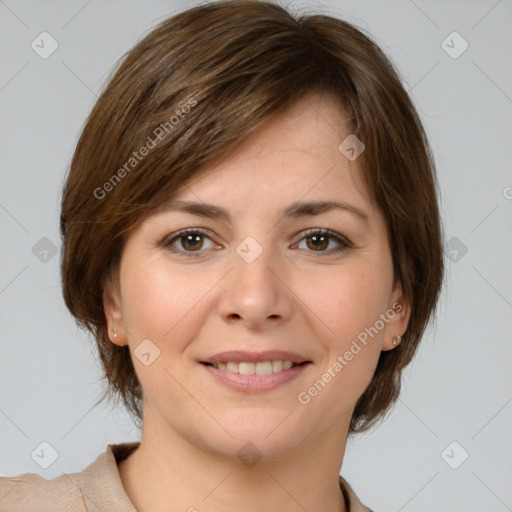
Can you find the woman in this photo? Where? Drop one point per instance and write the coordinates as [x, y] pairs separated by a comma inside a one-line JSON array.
[[251, 233]]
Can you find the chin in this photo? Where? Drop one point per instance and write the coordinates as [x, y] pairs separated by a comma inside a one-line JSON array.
[[271, 433]]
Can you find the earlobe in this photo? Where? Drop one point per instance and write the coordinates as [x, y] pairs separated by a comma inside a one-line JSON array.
[[113, 314], [397, 327], [116, 338]]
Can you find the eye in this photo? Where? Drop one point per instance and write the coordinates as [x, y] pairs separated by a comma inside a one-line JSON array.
[[320, 239], [191, 241]]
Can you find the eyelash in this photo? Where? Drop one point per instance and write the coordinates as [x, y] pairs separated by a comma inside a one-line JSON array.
[[344, 243]]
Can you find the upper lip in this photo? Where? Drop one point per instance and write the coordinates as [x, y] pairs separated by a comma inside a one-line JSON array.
[[239, 356]]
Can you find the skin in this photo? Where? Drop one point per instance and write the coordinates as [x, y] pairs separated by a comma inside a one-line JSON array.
[[293, 297]]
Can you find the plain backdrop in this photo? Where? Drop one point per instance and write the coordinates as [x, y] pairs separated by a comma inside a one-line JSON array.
[[447, 445]]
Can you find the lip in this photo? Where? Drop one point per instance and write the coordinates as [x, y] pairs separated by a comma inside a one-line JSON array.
[[255, 383], [239, 356]]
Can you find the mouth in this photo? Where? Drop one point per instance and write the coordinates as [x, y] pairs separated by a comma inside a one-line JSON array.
[[255, 372], [259, 368]]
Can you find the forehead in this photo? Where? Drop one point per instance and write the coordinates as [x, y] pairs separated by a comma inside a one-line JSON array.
[[293, 156], [289, 168]]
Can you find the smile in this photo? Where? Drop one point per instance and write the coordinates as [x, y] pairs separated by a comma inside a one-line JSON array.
[[260, 368], [244, 376]]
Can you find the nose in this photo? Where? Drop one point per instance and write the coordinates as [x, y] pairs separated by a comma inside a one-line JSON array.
[[256, 292]]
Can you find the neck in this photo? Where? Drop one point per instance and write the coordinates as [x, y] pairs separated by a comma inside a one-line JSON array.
[[170, 473]]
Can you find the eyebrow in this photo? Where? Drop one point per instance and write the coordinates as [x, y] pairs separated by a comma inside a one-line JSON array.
[[295, 210]]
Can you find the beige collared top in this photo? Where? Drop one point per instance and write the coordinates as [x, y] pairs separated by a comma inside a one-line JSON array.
[[97, 488]]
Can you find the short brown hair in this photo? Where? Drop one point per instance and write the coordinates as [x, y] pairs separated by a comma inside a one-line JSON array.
[[208, 77]]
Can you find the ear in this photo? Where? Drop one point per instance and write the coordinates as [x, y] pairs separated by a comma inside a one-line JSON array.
[[114, 312], [399, 313]]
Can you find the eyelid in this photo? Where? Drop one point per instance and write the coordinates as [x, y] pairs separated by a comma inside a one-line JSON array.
[[167, 241], [343, 242], [324, 231]]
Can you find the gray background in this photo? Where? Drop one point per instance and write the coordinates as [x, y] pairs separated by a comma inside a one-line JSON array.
[[459, 388]]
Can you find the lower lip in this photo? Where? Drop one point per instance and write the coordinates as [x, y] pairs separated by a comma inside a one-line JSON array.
[[255, 383]]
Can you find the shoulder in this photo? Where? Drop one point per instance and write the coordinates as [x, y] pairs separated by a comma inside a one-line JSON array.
[[30, 491], [98, 486]]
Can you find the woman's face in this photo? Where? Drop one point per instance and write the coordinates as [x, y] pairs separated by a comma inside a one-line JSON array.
[[246, 286]]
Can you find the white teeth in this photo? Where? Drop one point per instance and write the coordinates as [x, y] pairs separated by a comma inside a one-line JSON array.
[[246, 368], [232, 367], [261, 368], [277, 366]]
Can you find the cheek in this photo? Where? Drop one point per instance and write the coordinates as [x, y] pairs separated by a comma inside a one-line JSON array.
[[164, 304], [358, 302], [154, 299], [350, 300], [158, 305]]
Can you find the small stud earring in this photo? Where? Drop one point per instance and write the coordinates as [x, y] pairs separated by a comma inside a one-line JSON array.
[[396, 340], [115, 333]]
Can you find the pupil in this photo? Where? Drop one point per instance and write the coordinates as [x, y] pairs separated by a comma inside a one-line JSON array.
[[318, 240], [193, 240]]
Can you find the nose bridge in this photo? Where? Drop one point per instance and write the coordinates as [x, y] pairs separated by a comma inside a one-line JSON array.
[[253, 261], [250, 250], [255, 291]]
